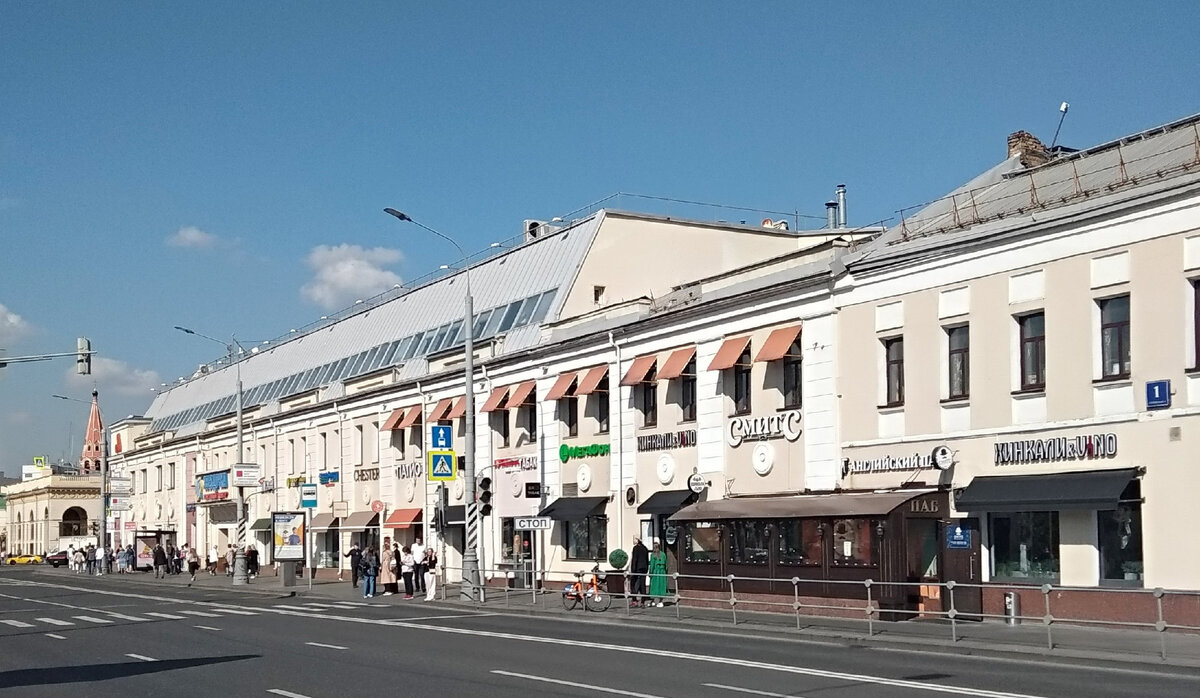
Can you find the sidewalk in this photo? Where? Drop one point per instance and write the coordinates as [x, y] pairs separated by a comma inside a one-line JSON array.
[[1031, 638]]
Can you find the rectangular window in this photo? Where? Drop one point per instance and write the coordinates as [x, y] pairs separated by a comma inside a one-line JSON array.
[[1033, 351], [793, 377], [360, 445], [1114, 337], [1196, 322], [893, 355], [568, 414], [854, 543], [959, 340], [687, 392], [649, 406], [1120, 536], [171, 476], [741, 383], [800, 542], [587, 539], [158, 478], [323, 443], [372, 437], [702, 542], [749, 542], [293, 461], [529, 416], [499, 420], [1025, 546], [398, 442], [600, 398]]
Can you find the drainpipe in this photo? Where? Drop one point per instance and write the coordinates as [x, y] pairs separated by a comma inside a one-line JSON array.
[[620, 441]]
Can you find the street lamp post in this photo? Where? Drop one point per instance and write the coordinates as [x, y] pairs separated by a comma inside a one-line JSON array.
[[472, 547], [240, 571], [102, 520]]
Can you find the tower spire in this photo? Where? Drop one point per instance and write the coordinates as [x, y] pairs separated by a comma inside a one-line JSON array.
[[89, 460]]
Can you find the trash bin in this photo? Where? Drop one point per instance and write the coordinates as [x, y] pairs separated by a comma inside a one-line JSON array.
[[289, 574], [1012, 608]]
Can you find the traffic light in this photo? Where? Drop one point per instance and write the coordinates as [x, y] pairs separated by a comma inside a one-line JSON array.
[[83, 362], [484, 496], [438, 523]]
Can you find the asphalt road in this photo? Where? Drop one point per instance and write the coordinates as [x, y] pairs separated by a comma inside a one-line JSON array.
[[108, 637]]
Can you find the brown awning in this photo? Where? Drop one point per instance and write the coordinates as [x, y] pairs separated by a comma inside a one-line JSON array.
[[778, 343], [459, 409], [440, 409], [803, 506], [321, 522], [402, 518], [562, 386], [591, 380], [494, 400], [520, 393], [639, 370], [727, 355], [360, 520], [413, 416], [392, 420], [675, 363]]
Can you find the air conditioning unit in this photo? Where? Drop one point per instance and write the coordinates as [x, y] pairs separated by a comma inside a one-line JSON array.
[[631, 496]]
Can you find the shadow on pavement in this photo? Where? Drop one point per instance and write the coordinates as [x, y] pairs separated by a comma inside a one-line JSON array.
[[50, 676]]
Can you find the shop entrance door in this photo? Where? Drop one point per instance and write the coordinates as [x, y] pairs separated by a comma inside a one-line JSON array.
[[924, 573], [961, 560]]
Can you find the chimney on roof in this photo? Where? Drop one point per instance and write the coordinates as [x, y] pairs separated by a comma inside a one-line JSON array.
[[1031, 150], [841, 199], [831, 214]]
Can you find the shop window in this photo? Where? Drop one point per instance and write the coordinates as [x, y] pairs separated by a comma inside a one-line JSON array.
[[1033, 351], [687, 392], [1025, 546], [749, 542], [800, 542], [599, 398], [893, 356], [793, 375], [1120, 536], [854, 542], [499, 420], [959, 341], [587, 539], [1114, 337], [740, 373], [702, 542], [568, 414], [649, 406]]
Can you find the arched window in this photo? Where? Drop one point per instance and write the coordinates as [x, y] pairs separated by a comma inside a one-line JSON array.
[[74, 522]]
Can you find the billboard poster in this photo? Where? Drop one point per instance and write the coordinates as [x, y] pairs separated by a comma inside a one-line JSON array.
[[287, 529], [212, 487], [144, 546]]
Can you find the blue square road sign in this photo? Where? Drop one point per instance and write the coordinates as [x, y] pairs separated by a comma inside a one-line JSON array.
[[441, 437]]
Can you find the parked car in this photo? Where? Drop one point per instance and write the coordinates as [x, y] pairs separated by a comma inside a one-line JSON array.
[[57, 558], [25, 560]]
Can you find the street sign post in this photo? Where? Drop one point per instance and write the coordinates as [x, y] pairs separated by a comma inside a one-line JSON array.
[[442, 465], [533, 523], [441, 437]]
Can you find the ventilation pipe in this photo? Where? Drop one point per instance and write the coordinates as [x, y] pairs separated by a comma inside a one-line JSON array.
[[841, 201], [831, 214]]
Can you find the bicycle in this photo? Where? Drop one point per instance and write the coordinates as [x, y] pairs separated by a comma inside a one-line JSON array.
[[591, 596]]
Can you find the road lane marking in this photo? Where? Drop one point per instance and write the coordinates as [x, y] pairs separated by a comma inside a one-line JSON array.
[[285, 694], [752, 691], [202, 614], [142, 657], [235, 611], [296, 608], [168, 616], [354, 603], [572, 684], [122, 616], [17, 623], [454, 616], [91, 619], [320, 605], [321, 644], [54, 621], [56, 637], [206, 627]]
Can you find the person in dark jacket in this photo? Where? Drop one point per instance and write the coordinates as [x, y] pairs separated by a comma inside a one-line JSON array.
[[252, 561], [639, 566], [355, 556], [160, 561], [370, 569]]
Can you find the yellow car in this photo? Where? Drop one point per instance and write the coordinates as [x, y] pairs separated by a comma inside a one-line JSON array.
[[25, 560]]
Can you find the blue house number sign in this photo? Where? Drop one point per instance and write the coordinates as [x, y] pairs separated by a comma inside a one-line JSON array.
[[1158, 395]]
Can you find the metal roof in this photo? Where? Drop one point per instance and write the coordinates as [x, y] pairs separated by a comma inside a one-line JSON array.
[[514, 293]]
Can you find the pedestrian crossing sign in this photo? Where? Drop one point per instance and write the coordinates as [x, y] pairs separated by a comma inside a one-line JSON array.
[[443, 465]]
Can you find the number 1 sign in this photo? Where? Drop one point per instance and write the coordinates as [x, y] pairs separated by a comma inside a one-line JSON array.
[[1158, 395]]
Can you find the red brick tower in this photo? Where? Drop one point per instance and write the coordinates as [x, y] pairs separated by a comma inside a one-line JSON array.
[[93, 446]]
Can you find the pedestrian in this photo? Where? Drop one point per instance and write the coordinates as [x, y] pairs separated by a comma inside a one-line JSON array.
[[79, 561], [407, 565], [252, 561], [370, 568], [387, 568], [171, 555], [355, 556], [193, 562], [229, 555], [101, 560], [122, 561], [71, 557], [160, 561], [131, 558], [418, 553], [639, 566], [658, 575], [90, 559], [430, 567], [214, 558]]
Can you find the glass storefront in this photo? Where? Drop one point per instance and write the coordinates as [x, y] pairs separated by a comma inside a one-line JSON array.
[[1119, 536], [1025, 546], [587, 539], [702, 542], [800, 542], [749, 542]]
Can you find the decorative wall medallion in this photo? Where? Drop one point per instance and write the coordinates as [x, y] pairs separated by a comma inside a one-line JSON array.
[[366, 497], [517, 487], [583, 477], [665, 468], [410, 490], [458, 489], [763, 458]]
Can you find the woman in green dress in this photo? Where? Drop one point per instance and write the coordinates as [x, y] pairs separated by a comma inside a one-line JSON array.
[[658, 575]]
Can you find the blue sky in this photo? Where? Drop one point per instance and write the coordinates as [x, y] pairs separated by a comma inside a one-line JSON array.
[[224, 165]]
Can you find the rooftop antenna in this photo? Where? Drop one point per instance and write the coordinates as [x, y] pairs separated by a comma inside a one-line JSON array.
[[1062, 108]]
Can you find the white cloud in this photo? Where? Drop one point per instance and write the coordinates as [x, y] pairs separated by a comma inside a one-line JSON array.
[[345, 273], [191, 236], [115, 376], [12, 327]]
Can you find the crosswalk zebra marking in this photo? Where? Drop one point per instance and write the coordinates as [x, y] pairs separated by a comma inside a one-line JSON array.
[[17, 623], [53, 621], [122, 616], [90, 619], [236, 611], [168, 616], [202, 614]]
